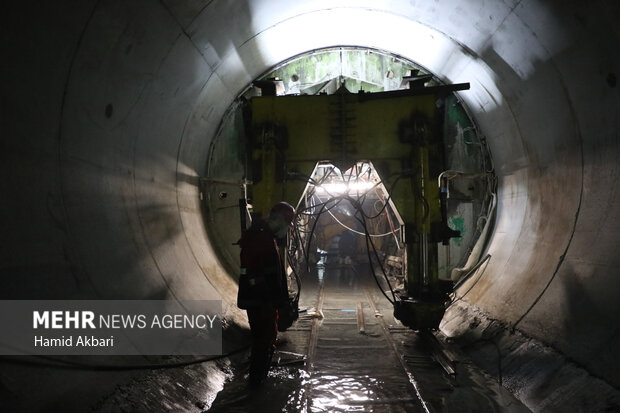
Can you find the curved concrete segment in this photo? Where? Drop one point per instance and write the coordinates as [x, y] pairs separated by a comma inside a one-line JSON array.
[[110, 106]]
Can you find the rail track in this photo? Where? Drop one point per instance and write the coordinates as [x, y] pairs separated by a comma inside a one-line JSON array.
[[355, 343]]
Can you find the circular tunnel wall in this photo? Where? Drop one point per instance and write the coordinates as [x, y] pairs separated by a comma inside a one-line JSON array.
[[111, 119]]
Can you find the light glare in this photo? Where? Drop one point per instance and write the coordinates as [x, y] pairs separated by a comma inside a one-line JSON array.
[[343, 188]]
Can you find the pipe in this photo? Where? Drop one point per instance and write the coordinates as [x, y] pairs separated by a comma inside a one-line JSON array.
[[481, 243]]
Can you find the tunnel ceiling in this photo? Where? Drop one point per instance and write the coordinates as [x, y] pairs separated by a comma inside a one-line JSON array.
[[358, 69]]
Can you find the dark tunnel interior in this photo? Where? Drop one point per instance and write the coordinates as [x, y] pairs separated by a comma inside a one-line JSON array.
[[110, 111]]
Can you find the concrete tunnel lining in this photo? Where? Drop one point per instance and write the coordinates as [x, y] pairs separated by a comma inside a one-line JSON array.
[[149, 82]]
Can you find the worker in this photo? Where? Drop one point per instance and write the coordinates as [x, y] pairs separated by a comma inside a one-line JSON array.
[[262, 284]]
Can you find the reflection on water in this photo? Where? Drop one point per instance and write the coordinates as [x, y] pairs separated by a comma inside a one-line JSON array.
[[342, 393], [353, 372], [292, 389], [345, 393]]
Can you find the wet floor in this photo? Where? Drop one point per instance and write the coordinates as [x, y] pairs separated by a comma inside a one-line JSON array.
[[347, 353]]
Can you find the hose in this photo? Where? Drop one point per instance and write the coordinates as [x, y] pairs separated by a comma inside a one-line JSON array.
[[474, 258], [73, 365]]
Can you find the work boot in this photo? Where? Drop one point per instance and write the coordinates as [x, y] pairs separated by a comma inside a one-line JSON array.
[[259, 367]]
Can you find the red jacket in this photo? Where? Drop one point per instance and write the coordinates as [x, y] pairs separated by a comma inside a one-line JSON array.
[[262, 280]]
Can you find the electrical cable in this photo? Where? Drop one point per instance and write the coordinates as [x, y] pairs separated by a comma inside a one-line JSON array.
[[368, 241], [358, 232], [368, 244], [355, 231], [72, 365], [385, 204], [374, 248], [298, 281], [312, 231], [392, 229], [291, 250], [389, 218], [464, 278], [291, 256], [333, 201]]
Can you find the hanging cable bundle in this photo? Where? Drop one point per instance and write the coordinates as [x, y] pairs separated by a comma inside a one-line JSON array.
[[303, 234]]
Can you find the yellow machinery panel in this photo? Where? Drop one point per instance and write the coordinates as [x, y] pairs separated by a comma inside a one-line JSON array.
[[399, 132]]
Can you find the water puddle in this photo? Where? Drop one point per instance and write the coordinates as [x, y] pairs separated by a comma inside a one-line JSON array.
[[348, 371]]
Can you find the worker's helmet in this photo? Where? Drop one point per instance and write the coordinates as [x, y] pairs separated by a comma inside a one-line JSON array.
[[284, 209]]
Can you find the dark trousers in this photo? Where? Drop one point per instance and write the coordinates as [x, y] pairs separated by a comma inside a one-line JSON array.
[[264, 329]]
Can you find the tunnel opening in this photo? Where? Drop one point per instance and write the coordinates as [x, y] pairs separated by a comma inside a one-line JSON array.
[[356, 70], [346, 104], [346, 220], [324, 71]]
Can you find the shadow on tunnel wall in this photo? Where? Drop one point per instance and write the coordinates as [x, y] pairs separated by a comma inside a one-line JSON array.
[[552, 279], [105, 217]]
